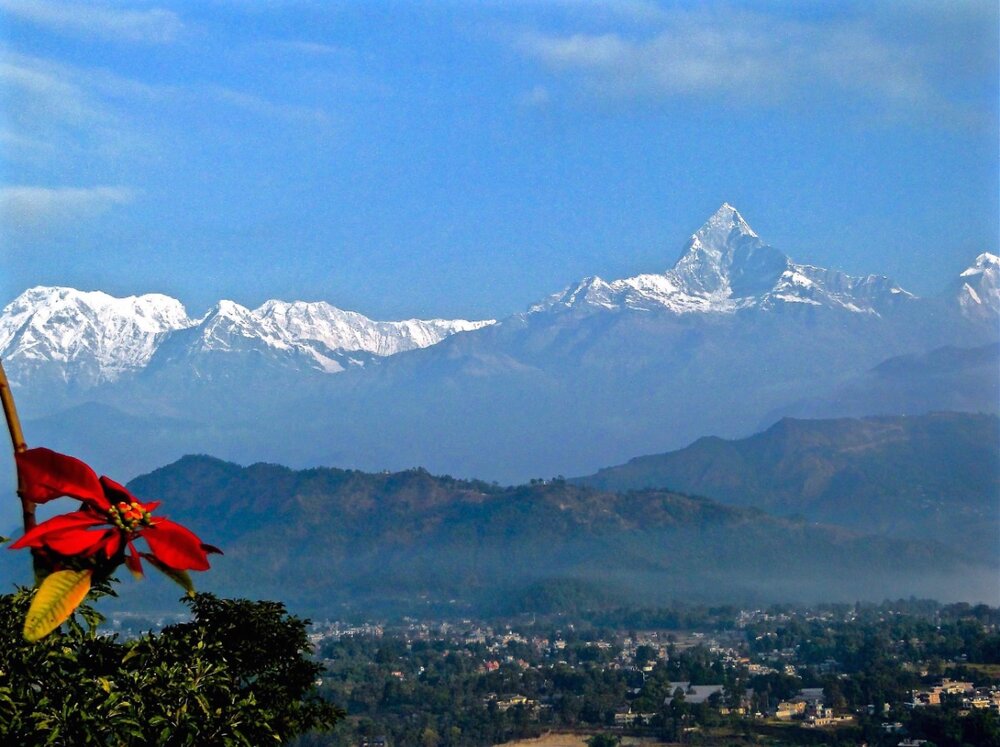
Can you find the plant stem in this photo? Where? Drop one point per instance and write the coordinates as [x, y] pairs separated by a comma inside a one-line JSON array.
[[17, 441]]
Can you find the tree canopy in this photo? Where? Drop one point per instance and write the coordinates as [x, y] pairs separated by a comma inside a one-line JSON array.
[[236, 674]]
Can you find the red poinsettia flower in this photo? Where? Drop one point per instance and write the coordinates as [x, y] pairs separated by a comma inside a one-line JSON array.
[[109, 522]]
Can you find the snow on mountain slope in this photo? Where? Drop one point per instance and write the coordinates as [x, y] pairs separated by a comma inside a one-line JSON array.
[[316, 332], [86, 337], [91, 337], [978, 288], [821, 287], [348, 330], [726, 266]]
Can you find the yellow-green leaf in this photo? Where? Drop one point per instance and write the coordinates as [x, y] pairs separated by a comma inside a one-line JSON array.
[[132, 652], [59, 594], [183, 578]]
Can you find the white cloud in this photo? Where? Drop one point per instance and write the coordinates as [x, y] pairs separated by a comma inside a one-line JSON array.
[[265, 107], [98, 20], [40, 86], [300, 46], [742, 57], [537, 97], [23, 207], [13, 142], [629, 11], [53, 114]]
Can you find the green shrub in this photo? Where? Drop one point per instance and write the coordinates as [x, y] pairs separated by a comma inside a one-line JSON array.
[[236, 674]]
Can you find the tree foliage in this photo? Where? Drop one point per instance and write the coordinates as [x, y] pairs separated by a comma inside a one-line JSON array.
[[236, 674]]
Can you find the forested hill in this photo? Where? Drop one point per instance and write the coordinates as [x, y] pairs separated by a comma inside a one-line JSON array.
[[326, 539], [934, 476]]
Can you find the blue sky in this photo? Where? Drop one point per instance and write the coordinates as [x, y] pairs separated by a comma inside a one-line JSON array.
[[466, 159]]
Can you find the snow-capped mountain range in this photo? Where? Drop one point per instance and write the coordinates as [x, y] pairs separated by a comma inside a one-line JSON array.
[[322, 336], [731, 337], [86, 338], [726, 267], [90, 337]]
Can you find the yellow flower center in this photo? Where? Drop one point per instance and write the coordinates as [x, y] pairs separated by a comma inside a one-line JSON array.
[[127, 516]]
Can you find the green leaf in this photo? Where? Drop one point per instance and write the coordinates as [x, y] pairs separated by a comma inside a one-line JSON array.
[[183, 578], [59, 594], [132, 653]]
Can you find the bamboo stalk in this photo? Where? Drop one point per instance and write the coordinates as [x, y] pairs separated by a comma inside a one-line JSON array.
[[17, 441]]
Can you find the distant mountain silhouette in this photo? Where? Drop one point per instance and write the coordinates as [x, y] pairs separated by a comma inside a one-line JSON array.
[[932, 477], [332, 540], [945, 378]]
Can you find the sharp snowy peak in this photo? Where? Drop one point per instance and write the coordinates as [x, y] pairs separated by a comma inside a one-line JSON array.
[[726, 259], [86, 337], [978, 289], [725, 266]]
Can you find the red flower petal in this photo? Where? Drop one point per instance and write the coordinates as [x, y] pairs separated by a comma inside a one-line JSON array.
[[74, 541], [114, 491], [45, 474], [36, 537], [132, 561], [176, 546], [112, 542]]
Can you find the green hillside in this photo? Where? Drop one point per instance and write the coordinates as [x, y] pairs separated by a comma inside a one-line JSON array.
[[934, 476], [328, 539]]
